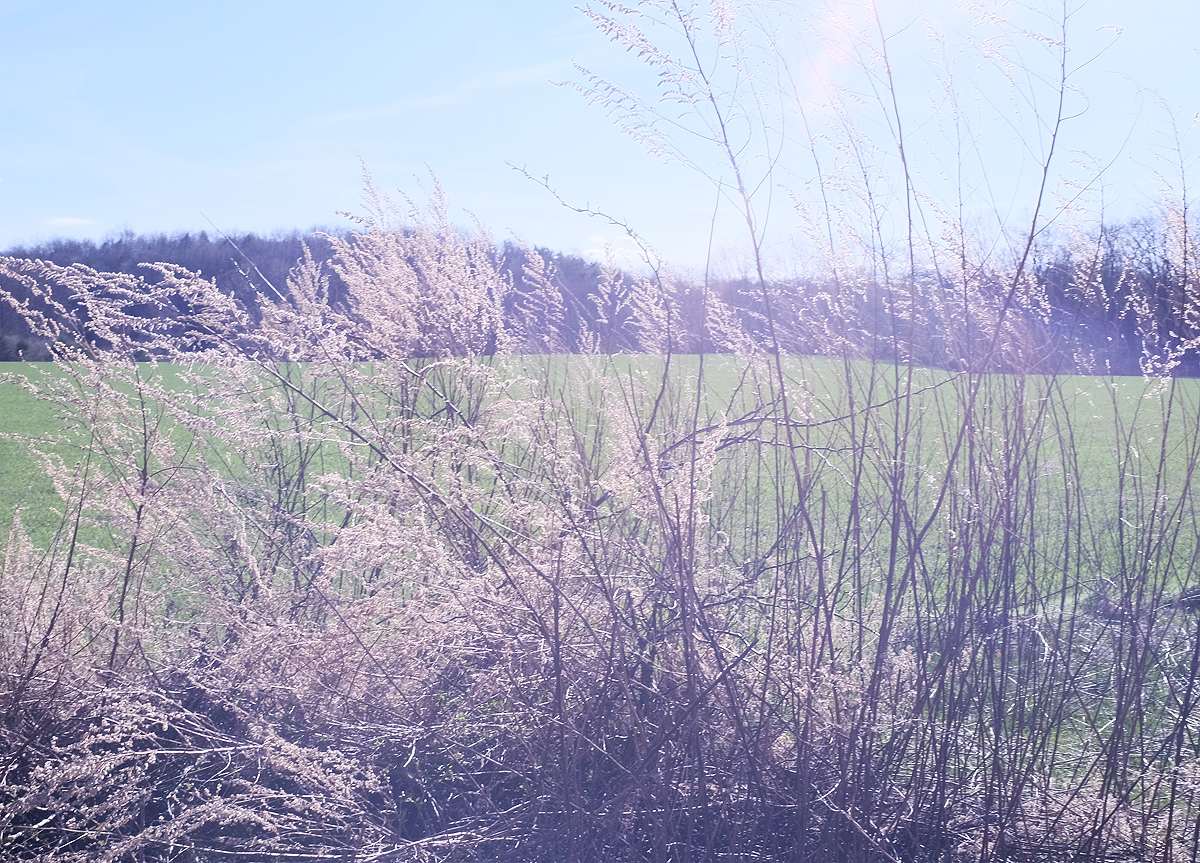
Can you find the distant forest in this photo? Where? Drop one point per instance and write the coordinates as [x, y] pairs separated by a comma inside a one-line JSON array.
[[1106, 303], [247, 265]]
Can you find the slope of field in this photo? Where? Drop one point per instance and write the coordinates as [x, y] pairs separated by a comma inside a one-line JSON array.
[[1102, 429], [24, 418]]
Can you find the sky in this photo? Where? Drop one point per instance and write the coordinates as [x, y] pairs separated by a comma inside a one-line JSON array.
[[260, 115]]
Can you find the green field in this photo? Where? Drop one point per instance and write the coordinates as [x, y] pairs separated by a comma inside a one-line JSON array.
[[1107, 432], [24, 418]]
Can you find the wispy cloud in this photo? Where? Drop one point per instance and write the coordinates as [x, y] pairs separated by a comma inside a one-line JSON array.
[[539, 73], [67, 222]]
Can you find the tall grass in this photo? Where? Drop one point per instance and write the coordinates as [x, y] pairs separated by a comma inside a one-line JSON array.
[[376, 580]]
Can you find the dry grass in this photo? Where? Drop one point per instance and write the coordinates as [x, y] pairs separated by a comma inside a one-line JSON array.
[[351, 582]]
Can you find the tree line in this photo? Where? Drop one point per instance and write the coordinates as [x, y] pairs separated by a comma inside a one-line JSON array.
[[1117, 300]]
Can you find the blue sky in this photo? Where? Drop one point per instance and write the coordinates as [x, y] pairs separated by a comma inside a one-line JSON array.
[[254, 115]]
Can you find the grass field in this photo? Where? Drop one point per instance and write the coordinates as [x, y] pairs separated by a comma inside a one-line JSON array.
[[1112, 426], [24, 418]]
